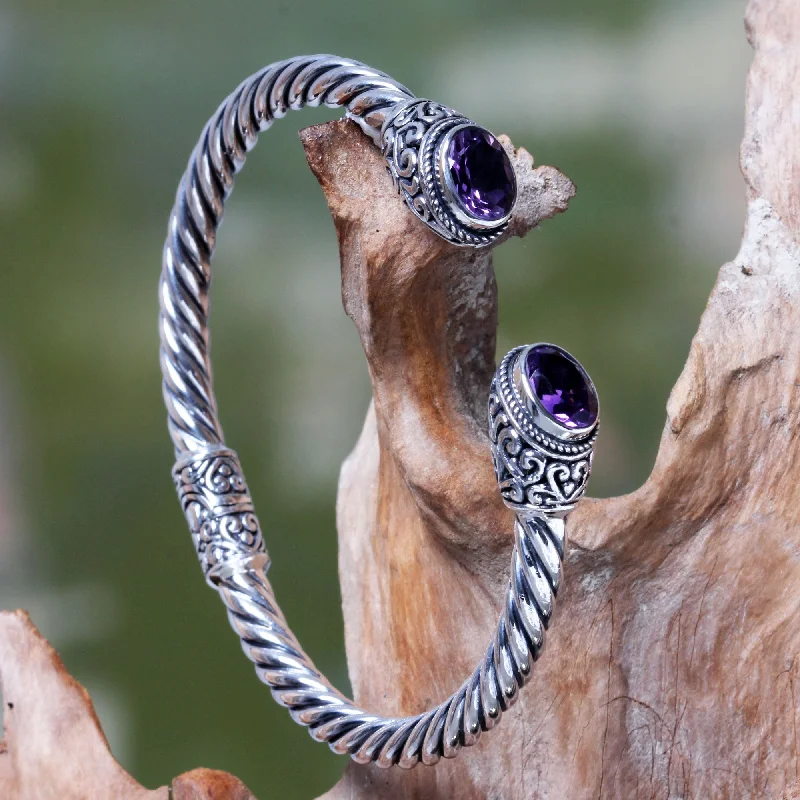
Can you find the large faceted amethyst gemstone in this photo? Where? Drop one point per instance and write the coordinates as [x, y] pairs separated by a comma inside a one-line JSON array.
[[561, 386], [481, 173]]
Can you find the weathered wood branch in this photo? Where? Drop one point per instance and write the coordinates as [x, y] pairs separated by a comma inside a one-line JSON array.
[[672, 667], [54, 747]]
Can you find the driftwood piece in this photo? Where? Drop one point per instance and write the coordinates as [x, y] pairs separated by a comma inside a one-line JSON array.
[[54, 747], [672, 666], [424, 538]]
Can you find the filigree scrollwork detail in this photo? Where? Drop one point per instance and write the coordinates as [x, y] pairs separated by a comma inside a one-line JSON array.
[[402, 138], [531, 475], [410, 141], [217, 505]]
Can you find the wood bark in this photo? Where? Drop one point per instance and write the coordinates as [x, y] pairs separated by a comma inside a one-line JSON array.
[[672, 666]]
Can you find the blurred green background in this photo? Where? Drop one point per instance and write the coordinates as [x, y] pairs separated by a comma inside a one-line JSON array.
[[639, 101]]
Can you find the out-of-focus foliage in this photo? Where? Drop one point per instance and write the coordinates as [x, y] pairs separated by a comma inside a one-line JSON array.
[[100, 104]]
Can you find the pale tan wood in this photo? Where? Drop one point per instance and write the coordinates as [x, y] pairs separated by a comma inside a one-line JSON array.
[[209, 784], [54, 747], [672, 666]]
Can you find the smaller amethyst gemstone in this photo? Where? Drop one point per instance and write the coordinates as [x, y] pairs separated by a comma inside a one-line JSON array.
[[562, 386], [481, 173]]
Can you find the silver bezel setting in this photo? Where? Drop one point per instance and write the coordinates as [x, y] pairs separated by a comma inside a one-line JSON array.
[[539, 466], [449, 189], [542, 417], [413, 141]]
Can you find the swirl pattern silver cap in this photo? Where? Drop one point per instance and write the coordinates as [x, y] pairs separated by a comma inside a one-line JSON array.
[[540, 464], [414, 141], [211, 487]]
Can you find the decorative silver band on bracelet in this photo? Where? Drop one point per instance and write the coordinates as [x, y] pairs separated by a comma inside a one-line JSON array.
[[543, 409]]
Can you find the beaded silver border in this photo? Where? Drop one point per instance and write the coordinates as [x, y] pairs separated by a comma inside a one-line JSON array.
[[412, 141]]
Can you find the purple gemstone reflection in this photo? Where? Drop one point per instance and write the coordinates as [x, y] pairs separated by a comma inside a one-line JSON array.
[[481, 173], [561, 386]]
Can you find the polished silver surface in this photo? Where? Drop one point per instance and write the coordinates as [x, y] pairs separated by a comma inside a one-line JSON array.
[[209, 479], [412, 139]]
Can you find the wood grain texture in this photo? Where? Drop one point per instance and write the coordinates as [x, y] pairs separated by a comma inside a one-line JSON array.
[[53, 746], [673, 664]]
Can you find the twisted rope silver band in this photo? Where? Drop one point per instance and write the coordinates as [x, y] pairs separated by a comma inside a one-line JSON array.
[[208, 181], [538, 477]]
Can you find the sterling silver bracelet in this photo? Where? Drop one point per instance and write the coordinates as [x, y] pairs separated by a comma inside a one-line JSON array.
[[543, 409]]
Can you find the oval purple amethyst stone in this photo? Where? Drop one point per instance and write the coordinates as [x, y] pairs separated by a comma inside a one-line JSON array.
[[561, 386], [481, 174]]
